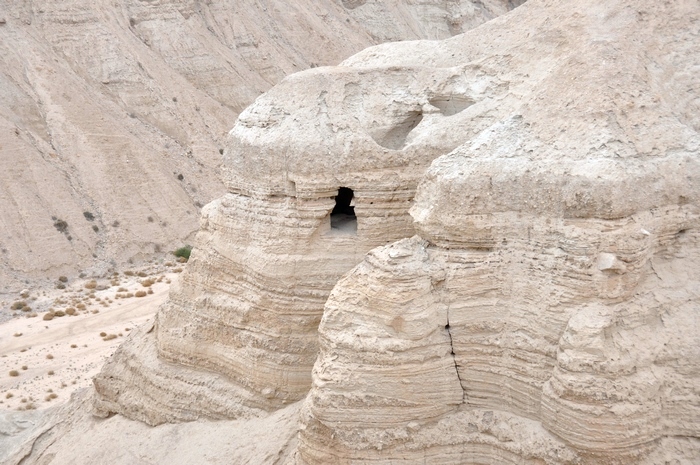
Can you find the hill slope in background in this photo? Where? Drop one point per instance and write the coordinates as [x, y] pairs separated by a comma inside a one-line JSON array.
[[113, 115]]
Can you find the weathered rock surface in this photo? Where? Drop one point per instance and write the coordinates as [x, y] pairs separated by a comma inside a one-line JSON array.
[[544, 312], [113, 115], [547, 311], [269, 252]]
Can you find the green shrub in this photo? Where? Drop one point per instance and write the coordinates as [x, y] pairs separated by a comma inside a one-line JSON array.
[[183, 252]]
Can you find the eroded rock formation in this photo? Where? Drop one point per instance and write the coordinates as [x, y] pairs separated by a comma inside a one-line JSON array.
[[247, 309], [546, 309]]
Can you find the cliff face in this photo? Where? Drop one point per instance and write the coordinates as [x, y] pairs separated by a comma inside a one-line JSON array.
[[546, 312], [247, 309], [544, 309], [572, 180], [113, 115]]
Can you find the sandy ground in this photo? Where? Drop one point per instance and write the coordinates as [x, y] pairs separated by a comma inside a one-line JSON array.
[[42, 362]]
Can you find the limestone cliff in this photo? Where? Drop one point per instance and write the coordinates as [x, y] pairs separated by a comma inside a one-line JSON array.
[[546, 312], [573, 168], [545, 309], [113, 114]]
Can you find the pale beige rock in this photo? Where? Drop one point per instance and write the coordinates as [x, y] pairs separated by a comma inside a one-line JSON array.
[[556, 266], [546, 310], [267, 255]]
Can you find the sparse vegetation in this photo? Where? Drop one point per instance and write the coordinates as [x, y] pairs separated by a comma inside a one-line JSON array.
[[60, 225], [183, 252], [91, 284], [14, 373], [140, 294]]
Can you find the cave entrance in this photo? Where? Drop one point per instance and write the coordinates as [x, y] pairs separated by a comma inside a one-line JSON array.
[[343, 217]]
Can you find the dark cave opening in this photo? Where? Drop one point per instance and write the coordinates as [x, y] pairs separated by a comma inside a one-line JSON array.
[[343, 215]]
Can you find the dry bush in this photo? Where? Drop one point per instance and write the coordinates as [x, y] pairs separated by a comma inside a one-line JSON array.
[[18, 305], [70, 311], [59, 313], [103, 334], [150, 290], [49, 316], [147, 282], [141, 274], [25, 367], [26, 308], [49, 356], [129, 295], [91, 284], [9, 395], [14, 373], [63, 279], [17, 334], [73, 346], [80, 306], [51, 372], [129, 273], [140, 294], [109, 337]]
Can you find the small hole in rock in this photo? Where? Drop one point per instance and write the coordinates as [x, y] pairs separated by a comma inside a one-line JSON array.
[[343, 215]]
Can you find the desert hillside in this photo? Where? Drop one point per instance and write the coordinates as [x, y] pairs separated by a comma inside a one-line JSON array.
[[478, 250], [113, 115]]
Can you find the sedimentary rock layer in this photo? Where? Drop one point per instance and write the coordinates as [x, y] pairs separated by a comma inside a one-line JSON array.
[[547, 308], [269, 252]]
